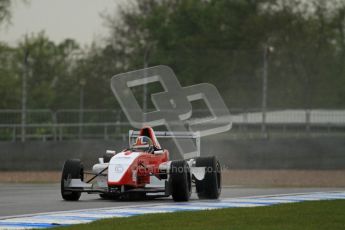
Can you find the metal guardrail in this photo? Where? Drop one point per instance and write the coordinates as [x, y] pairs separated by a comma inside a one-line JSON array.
[[58, 132], [107, 124]]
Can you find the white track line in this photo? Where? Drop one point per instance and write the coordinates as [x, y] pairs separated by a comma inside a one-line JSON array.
[[52, 219]]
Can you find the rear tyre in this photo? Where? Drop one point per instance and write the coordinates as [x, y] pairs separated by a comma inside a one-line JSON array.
[[180, 180], [107, 157], [72, 169], [210, 187]]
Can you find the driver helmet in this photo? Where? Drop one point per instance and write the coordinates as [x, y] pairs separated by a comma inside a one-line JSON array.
[[143, 143]]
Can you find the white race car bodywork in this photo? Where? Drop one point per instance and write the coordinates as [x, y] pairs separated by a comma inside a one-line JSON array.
[[121, 162]]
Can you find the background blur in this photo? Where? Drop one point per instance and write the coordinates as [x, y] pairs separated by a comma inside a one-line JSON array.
[[278, 64]]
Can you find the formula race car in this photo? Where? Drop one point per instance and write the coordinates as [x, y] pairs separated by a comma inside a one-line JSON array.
[[143, 170]]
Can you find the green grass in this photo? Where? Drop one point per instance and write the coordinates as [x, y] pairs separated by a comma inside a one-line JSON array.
[[305, 215]]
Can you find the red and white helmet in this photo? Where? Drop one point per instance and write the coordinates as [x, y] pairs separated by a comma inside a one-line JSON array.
[[143, 143]]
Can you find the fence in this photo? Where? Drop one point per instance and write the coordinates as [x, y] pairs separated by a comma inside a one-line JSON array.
[[69, 124]]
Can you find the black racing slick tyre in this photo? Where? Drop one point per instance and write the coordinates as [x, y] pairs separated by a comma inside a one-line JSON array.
[[72, 169], [107, 157], [210, 187], [180, 180]]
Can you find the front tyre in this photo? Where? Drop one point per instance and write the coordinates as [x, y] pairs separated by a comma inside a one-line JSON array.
[[180, 180], [210, 187], [72, 169]]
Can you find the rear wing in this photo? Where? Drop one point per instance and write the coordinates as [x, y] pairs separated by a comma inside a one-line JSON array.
[[195, 136]]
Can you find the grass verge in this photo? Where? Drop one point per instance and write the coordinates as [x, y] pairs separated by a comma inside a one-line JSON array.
[[305, 215]]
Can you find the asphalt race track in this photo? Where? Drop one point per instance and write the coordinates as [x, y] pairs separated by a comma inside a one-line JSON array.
[[21, 199]]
